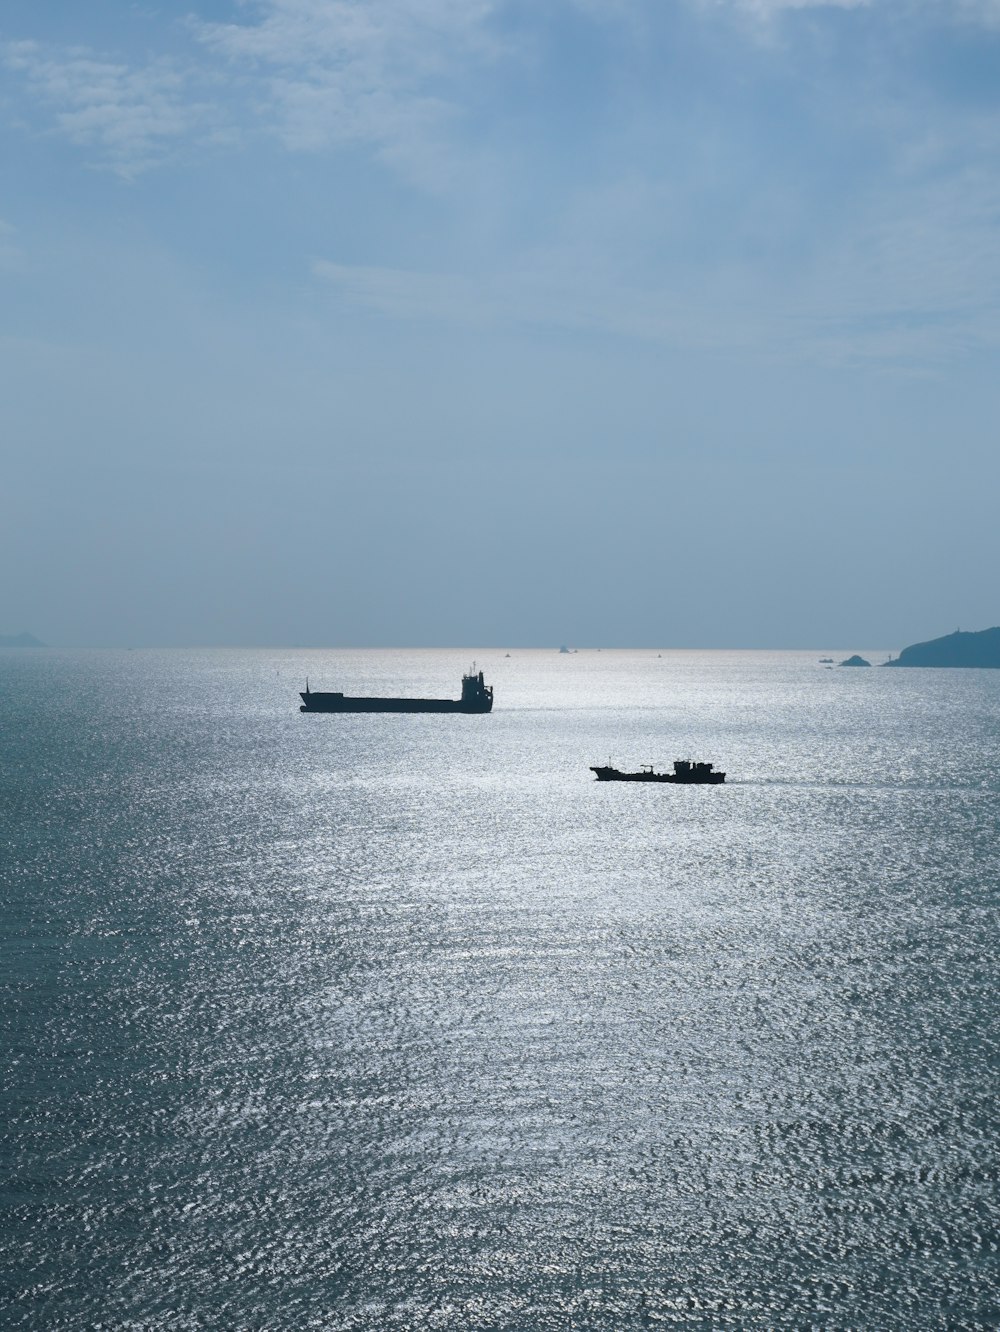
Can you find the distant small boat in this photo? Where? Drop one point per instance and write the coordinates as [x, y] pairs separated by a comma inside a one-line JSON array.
[[685, 772]]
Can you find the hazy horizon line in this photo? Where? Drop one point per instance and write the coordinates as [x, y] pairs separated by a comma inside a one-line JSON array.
[[437, 647]]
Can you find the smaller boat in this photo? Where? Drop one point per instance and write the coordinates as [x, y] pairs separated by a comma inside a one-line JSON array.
[[685, 771]]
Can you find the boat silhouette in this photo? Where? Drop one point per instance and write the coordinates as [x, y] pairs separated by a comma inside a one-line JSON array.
[[685, 771], [477, 696]]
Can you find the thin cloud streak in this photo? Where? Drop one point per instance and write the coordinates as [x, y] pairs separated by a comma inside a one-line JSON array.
[[130, 116], [769, 8], [900, 293]]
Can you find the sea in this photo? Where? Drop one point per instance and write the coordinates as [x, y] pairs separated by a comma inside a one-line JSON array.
[[399, 1022]]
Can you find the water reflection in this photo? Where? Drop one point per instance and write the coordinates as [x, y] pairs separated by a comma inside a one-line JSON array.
[[376, 1023]]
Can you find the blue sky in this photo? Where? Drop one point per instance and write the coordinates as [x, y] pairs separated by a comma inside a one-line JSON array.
[[465, 321]]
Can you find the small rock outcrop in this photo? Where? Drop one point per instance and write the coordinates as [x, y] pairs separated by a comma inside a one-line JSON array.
[[855, 661]]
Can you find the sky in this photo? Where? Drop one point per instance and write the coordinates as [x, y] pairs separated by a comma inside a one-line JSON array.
[[495, 322]]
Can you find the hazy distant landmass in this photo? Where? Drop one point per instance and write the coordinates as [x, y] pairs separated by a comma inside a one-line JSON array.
[[980, 649], [20, 640], [855, 661]]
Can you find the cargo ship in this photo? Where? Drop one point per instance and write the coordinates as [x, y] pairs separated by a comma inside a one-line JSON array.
[[684, 771], [477, 696]]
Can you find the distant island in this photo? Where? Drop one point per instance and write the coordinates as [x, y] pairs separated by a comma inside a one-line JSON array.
[[20, 640], [980, 649], [855, 661]]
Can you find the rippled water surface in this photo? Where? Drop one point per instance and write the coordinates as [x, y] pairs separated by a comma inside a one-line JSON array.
[[405, 1022]]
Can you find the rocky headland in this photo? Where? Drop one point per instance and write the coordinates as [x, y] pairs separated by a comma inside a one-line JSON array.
[[20, 640], [980, 650]]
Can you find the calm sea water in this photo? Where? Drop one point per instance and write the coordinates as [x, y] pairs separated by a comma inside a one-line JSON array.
[[406, 1023]]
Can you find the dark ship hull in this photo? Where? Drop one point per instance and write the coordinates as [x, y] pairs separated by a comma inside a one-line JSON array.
[[314, 702], [684, 773], [476, 697]]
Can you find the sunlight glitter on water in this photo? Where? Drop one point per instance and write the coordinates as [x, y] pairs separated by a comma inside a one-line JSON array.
[[405, 1022]]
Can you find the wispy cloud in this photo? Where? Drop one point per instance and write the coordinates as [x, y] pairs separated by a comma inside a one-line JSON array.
[[948, 12], [910, 292], [320, 74], [540, 295], [769, 8], [128, 116], [898, 262], [379, 72], [400, 77]]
